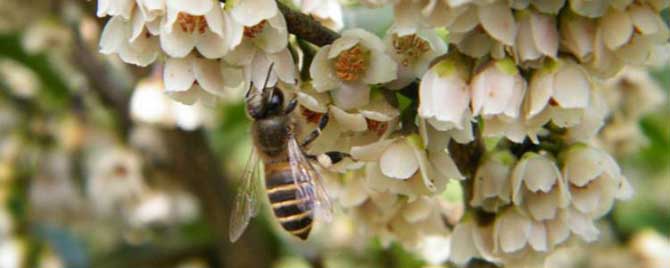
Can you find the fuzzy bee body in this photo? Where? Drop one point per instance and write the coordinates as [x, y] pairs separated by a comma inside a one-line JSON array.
[[293, 213]]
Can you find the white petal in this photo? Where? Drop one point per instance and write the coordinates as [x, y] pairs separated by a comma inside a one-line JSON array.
[[177, 43], [381, 68], [313, 101], [626, 190], [572, 87], [398, 161], [259, 70], [589, 8], [525, 43], [498, 21], [321, 71], [209, 76], [445, 165], [418, 210], [242, 55], [142, 51], [349, 121], [211, 45], [252, 12], [274, 37], [582, 226], [475, 44], [542, 206], [351, 95], [558, 230], [644, 20], [512, 231], [462, 244], [586, 199], [372, 151], [617, 28], [540, 90], [354, 193], [341, 44], [465, 22], [196, 8], [548, 6], [538, 237], [545, 34], [113, 36], [379, 110], [582, 165], [178, 74], [540, 174], [444, 98], [284, 66]]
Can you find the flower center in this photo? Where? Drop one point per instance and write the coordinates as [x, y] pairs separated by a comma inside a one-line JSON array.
[[409, 47], [252, 31], [352, 63], [311, 116], [377, 127], [190, 23]]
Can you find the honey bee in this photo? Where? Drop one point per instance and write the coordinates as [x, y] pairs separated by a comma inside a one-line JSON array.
[[292, 185]]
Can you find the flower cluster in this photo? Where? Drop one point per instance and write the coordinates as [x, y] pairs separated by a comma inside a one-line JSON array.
[[524, 77]]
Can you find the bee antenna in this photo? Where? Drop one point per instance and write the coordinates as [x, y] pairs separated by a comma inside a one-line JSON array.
[[251, 85], [267, 77]]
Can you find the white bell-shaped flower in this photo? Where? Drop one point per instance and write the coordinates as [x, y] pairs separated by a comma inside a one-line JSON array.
[[444, 95], [131, 40], [413, 52], [537, 37], [498, 90], [492, 188], [595, 180], [539, 187]]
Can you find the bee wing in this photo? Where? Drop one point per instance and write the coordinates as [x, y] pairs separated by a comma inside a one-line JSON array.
[[308, 182], [246, 205]]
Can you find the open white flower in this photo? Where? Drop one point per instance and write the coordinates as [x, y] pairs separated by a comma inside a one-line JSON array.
[[260, 46], [595, 180], [444, 95], [203, 26], [349, 65], [413, 53], [498, 90], [189, 78], [539, 187], [131, 40]]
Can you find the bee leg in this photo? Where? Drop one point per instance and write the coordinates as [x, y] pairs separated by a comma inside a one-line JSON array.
[[291, 106], [329, 159], [315, 133]]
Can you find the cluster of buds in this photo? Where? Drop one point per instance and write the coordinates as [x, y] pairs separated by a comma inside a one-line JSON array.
[[503, 80]]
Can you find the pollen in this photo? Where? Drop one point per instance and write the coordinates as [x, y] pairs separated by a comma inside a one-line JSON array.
[[253, 31], [352, 63], [190, 23], [410, 47]]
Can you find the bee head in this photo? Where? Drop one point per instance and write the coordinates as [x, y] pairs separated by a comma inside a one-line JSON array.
[[269, 103]]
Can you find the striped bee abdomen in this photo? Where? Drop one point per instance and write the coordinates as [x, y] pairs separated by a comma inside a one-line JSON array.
[[293, 214]]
